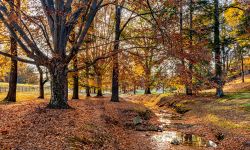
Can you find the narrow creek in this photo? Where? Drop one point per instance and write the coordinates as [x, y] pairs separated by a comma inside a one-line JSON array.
[[176, 140], [169, 139]]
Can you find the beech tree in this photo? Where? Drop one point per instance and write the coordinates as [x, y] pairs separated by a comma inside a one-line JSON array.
[[14, 13], [217, 50], [61, 19]]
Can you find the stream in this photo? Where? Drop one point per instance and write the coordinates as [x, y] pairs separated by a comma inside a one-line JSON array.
[[176, 140], [168, 139]]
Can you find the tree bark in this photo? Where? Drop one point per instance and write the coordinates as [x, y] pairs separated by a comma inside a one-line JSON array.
[[189, 89], [75, 80], [99, 85], [115, 76], [11, 96], [134, 89], [59, 87], [87, 82], [218, 64], [41, 87], [147, 90], [41, 82], [242, 67], [148, 79]]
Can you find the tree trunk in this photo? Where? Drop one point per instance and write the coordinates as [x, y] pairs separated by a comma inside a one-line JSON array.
[[75, 81], [147, 90], [189, 89], [41, 83], [218, 64], [59, 87], [124, 88], [242, 67], [41, 87], [182, 50], [134, 89], [148, 80], [115, 76], [87, 82], [99, 84], [11, 96]]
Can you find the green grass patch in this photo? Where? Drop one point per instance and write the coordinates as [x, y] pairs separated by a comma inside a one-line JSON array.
[[5, 84], [237, 96]]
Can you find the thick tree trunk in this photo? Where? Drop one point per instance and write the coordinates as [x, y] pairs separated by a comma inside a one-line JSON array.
[[115, 76], [218, 64], [75, 81], [147, 90], [59, 87], [11, 96], [99, 84]]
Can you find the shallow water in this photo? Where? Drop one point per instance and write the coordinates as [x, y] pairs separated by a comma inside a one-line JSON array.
[[184, 139], [165, 139]]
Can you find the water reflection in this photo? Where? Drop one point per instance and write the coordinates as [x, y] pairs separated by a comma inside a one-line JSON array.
[[184, 139], [163, 139]]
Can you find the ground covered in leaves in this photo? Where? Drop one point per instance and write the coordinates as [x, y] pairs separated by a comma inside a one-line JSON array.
[[93, 123], [97, 123]]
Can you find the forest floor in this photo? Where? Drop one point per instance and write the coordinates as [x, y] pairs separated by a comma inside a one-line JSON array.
[[138, 122]]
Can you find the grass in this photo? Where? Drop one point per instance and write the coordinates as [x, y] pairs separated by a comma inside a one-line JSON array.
[[225, 123], [246, 106], [5, 84], [25, 96], [237, 96]]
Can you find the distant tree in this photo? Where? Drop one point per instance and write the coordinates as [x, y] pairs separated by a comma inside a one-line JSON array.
[[42, 81]]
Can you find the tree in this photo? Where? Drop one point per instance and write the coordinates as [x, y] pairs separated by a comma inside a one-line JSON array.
[[42, 82], [75, 80], [61, 17], [217, 50], [11, 96], [189, 90], [115, 75]]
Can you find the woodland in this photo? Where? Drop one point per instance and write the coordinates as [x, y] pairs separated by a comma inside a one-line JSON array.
[[125, 74]]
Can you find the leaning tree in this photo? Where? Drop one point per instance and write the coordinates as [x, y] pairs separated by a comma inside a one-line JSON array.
[[55, 20]]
